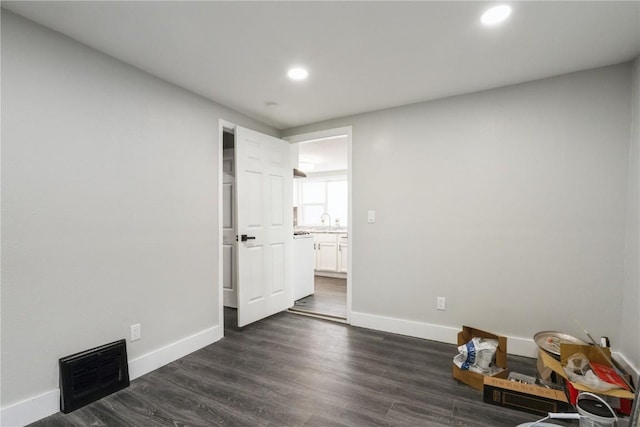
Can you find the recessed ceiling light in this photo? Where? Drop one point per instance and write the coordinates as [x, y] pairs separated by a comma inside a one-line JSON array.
[[297, 73], [495, 15]]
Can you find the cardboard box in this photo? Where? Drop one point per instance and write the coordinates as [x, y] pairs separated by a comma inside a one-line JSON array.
[[622, 406], [545, 373], [475, 379], [524, 397], [593, 354]]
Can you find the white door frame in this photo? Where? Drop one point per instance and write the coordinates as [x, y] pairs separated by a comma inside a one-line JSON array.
[[222, 125], [323, 134]]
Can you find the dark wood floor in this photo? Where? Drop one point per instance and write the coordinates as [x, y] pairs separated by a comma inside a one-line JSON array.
[[329, 298], [291, 370]]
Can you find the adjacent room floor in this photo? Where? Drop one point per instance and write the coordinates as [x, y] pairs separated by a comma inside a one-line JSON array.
[[329, 298], [290, 370]]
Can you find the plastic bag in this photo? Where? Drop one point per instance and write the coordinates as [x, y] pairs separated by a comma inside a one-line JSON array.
[[477, 355], [578, 363], [579, 371]]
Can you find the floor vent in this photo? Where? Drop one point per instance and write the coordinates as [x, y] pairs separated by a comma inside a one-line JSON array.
[[92, 374]]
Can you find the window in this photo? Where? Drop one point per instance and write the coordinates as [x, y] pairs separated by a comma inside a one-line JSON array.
[[323, 195]]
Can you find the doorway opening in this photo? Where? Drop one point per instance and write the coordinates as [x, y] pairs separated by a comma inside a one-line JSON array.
[[322, 224]]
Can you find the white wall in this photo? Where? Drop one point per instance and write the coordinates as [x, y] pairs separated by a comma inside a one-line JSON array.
[[631, 292], [510, 203], [109, 206]]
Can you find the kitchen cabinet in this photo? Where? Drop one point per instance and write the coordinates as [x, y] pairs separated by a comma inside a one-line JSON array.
[[326, 252], [343, 253], [331, 252], [304, 258]]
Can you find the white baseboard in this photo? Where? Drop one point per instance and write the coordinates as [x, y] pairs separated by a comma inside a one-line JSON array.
[[429, 331], [174, 351], [522, 347], [31, 410], [48, 403], [410, 328]]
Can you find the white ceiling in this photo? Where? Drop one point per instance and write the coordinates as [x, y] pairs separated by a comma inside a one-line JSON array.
[[362, 56], [325, 155]]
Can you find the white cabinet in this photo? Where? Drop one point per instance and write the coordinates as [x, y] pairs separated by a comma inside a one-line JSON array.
[[343, 253], [326, 250], [303, 260], [331, 252]]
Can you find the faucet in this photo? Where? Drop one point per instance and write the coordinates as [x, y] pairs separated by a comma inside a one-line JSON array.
[[322, 218]]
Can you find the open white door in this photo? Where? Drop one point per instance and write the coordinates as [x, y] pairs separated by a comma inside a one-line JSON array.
[[264, 182], [229, 244]]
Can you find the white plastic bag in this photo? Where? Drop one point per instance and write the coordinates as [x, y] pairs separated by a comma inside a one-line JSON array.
[[579, 371], [477, 355]]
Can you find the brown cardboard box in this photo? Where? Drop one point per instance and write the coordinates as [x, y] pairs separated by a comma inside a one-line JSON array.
[[593, 354], [545, 373], [474, 379], [524, 397]]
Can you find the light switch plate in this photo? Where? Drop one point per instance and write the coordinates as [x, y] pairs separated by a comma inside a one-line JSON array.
[[371, 217]]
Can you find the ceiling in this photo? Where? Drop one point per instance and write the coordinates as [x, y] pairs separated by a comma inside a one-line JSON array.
[[326, 155], [361, 56]]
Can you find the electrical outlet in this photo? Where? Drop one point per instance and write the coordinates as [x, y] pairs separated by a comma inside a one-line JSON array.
[[135, 332], [441, 303]]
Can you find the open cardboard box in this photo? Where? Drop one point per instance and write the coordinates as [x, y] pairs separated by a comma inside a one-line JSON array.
[[475, 379], [594, 354], [524, 397]]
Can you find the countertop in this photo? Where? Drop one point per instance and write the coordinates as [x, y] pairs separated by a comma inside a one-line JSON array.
[[303, 236], [323, 230]]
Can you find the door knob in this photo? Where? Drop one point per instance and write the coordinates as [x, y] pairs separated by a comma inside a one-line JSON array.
[[244, 237]]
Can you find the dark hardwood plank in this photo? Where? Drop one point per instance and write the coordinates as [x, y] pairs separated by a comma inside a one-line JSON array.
[[323, 421], [408, 414], [291, 370], [329, 298]]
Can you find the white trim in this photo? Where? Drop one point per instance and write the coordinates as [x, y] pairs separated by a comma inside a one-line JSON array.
[[31, 410], [522, 347], [349, 131], [174, 351], [48, 403], [429, 331], [409, 328]]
